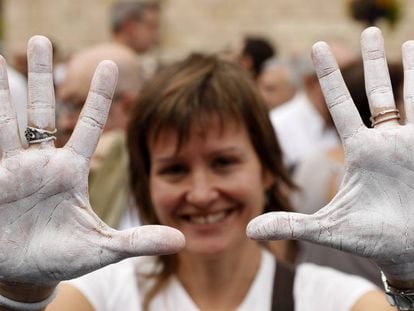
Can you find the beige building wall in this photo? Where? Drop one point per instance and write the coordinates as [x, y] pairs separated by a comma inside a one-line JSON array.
[[199, 25]]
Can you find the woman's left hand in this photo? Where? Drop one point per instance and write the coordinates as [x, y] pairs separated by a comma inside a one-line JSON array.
[[372, 215]]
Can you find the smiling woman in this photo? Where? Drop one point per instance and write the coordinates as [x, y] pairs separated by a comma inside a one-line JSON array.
[[204, 159]]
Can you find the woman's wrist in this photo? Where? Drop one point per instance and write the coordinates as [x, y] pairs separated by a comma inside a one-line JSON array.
[[24, 293], [400, 293], [399, 276], [401, 284]]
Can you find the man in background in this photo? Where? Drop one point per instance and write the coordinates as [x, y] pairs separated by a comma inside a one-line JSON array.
[[136, 24], [254, 52], [304, 125], [108, 179], [277, 82], [250, 53]]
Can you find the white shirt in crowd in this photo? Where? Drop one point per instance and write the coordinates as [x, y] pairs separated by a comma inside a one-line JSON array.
[[301, 130]]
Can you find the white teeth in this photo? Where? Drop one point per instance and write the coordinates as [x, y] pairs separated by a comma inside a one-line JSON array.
[[198, 219], [209, 219]]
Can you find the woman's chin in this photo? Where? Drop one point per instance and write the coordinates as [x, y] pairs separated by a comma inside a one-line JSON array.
[[206, 249], [210, 248]]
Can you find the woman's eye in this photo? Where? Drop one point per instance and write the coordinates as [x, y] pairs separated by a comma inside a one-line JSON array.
[[223, 162], [174, 169]]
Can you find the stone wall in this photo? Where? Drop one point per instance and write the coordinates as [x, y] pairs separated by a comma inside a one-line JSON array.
[[200, 25]]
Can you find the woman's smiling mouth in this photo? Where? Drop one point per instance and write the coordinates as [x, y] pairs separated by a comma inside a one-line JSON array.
[[210, 218]]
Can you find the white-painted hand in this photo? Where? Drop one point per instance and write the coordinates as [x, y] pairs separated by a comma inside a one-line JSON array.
[[373, 213], [48, 231]]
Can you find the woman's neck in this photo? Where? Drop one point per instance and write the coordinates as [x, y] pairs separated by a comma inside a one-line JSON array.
[[220, 282]]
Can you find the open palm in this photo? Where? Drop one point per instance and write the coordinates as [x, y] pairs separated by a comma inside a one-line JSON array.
[[372, 213], [48, 229]]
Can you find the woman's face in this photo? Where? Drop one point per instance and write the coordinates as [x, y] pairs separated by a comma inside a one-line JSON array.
[[209, 188]]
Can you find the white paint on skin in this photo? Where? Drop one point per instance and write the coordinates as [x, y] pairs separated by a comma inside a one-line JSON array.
[[338, 99], [9, 138], [371, 215], [48, 230], [41, 107], [408, 61], [94, 114], [377, 78]]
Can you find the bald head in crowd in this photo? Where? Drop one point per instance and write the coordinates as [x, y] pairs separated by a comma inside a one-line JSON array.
[[73, 91], [277, 82]]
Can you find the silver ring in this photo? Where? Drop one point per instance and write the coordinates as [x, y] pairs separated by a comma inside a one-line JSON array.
[[385, 115], [35, 135]]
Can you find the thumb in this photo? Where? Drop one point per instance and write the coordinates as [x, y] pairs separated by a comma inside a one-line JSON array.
[[283, 226], [148, 240]]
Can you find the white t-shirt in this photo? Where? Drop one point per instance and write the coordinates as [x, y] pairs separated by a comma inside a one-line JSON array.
[[315, 288]]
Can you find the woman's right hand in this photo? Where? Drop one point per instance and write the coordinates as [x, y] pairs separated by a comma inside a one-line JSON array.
[[48, 230]]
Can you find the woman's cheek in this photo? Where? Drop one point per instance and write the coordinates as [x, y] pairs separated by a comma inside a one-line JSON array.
[[164, 198]]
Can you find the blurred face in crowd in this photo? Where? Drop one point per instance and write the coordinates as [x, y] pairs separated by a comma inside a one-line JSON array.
[[145, 32], [73, 91], [68, 110], [275, 86], [209, 187]]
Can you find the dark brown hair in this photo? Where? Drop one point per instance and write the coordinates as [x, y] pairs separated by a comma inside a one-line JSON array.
[[190, 92]]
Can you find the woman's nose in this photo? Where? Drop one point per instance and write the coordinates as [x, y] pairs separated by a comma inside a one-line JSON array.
[[202, 191]]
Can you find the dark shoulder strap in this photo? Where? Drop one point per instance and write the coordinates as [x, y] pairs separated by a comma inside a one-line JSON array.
[[282, 299]]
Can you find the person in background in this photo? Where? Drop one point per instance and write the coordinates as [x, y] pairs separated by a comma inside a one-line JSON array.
[[108, 180], [304, 125], [136, 24], [253, 52], [19, 58], [278, 82]]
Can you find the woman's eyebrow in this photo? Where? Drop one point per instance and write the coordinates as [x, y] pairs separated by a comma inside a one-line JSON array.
[[167, 158]]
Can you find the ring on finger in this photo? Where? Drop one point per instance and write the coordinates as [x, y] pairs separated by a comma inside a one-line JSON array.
[[384, 116], [36, 135]]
